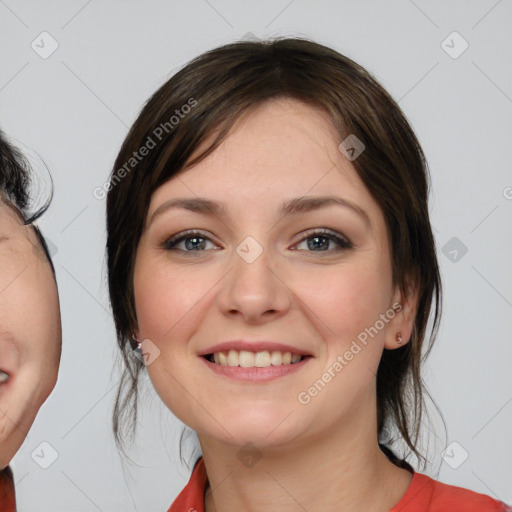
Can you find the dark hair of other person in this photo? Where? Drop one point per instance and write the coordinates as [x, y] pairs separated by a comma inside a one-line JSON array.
[[15, 176]]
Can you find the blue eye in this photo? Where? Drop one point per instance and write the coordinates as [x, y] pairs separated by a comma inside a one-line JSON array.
[[325, 234], [195, 241], [194, 236]]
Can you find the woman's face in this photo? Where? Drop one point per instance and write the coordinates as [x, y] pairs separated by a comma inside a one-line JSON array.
[[252, 274], [30, 331]]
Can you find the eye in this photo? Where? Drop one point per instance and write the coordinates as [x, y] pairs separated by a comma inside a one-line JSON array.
[[321, 239], [194, 240]]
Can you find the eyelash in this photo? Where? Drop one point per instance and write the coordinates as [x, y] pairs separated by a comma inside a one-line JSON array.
[[343, 243]]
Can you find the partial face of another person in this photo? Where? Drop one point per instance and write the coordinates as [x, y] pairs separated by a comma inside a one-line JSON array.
[[30, 330], [316, 291]]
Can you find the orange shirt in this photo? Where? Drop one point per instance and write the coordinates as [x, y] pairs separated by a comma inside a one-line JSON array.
[[423, 495], [7, 499]]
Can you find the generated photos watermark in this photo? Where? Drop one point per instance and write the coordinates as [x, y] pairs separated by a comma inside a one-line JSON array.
[[342, 360], [157, 135]]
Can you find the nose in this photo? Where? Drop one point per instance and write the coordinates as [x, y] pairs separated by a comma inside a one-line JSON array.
[[253, 289]]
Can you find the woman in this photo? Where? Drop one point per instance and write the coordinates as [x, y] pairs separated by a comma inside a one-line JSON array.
[[270, 253], [30, 326]]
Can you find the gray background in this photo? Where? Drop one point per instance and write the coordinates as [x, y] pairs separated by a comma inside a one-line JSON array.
[[74, 108]]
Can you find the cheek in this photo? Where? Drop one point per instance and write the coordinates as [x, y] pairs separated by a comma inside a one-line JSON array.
[[29, 303], [162, 301], [169, 304], [41, 305], [29, 310], [345, 301]]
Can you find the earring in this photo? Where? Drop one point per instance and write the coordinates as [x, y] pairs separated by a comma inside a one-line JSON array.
[[398, 338], [139, 343]]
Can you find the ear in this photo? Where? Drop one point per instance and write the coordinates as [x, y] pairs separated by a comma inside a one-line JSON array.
[[405, 305], [135, 334]]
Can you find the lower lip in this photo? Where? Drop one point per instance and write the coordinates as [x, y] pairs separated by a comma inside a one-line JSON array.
[[256, 374]]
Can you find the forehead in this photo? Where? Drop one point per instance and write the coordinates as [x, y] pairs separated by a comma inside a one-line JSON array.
[[273, 133], [9, 217], [278, 150], [12, 229]]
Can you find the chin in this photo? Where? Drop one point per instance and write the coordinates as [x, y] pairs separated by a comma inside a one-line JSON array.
[[264, 430]]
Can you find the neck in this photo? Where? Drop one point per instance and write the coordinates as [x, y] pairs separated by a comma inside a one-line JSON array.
[[341, 470]]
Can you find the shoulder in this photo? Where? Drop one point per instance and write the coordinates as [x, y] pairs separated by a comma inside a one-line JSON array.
[[7, 494], [191, 498], [428, 495]]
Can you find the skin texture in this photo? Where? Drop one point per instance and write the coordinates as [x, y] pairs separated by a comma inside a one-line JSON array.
[[30, 330], [323, 455]]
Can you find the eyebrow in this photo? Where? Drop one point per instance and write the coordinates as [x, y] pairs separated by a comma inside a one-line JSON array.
[[290, 207]]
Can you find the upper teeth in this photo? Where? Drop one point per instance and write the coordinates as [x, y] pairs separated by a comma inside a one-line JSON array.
[[261, 359]]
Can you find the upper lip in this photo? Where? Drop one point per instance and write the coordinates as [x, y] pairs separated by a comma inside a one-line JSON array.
[[253, 346]]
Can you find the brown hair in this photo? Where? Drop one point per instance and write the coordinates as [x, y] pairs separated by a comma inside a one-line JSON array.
[[207, 97]]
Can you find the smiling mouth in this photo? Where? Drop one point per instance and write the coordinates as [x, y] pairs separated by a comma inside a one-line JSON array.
[[247, 359]]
